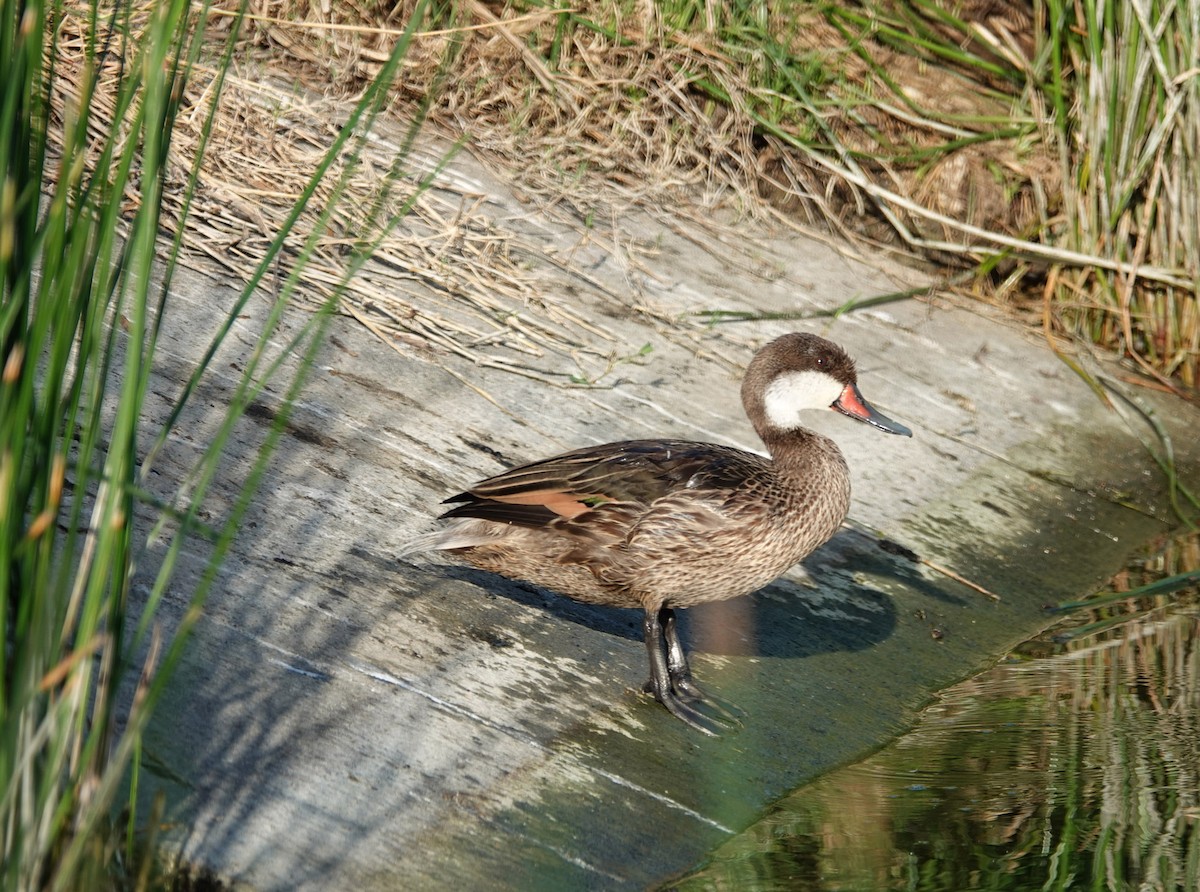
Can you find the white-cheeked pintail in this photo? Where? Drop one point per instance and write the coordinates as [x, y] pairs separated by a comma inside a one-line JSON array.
[[662, 524]]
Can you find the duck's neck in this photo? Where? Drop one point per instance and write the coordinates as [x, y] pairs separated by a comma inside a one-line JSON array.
[[804, 455], [813, 485]]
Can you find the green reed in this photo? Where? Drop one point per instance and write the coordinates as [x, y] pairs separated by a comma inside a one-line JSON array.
[[1128, 134], [85, 273]]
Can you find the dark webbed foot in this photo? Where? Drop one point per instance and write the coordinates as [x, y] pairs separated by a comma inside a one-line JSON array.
[[671, 680]]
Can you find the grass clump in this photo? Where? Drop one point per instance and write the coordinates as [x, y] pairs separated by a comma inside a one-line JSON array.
[[1127, 131], [91, 177]]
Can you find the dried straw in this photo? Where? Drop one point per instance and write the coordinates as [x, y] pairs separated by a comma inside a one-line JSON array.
[[938, 149]]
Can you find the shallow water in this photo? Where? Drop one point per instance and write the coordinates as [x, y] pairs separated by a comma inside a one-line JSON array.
[[1074, 764]]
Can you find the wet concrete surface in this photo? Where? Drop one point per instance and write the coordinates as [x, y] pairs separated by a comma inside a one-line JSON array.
[[344, 719], [1071, 764]]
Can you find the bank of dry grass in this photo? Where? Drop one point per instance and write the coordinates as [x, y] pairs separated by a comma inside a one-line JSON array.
[[1050, 146]]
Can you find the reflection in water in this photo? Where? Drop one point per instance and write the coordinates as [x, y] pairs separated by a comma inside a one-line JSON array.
[[1075, 765]]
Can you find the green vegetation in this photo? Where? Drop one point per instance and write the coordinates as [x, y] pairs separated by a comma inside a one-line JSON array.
[[1127, 131], [90, 180]]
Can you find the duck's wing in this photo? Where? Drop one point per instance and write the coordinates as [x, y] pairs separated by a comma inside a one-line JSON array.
[[616, 481]]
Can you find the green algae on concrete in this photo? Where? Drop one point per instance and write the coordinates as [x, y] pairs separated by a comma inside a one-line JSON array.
[[1070, 765]]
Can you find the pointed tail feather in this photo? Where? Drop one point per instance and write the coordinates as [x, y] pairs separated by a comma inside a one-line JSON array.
[[462, 534]]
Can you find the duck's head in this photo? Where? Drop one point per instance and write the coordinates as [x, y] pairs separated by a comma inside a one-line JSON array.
[[801, 371]]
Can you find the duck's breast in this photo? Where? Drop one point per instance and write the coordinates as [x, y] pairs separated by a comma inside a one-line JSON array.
[[692, 547]]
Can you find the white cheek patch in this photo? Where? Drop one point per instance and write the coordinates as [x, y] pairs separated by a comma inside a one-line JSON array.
[[791, 393]]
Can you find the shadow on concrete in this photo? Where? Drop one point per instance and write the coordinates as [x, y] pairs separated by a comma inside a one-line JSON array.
[[785, 619], [236, 742]]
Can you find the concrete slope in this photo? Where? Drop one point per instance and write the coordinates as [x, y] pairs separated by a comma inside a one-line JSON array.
[[346, 720]]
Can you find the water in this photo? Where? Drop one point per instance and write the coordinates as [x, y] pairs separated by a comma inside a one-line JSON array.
[[1075, 764]]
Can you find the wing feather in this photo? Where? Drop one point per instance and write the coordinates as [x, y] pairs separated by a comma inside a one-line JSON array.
[[611, 485]]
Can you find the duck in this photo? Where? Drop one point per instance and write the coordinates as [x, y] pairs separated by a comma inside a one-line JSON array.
[[664, 524]]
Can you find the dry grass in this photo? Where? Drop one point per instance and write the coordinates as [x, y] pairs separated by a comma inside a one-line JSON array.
[[925, 128], [929, 128], [448, 281]]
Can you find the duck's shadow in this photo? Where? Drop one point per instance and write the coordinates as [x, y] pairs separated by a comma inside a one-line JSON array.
[[785, 619]]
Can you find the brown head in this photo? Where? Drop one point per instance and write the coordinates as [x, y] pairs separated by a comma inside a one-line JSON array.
[[801, 371]]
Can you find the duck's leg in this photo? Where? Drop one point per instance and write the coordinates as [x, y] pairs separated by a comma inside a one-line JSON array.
[[681, 673], [677, 664], [661, 682]]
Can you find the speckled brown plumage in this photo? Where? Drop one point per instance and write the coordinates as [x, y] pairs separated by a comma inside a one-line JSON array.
[[661, 524], [672, 523]]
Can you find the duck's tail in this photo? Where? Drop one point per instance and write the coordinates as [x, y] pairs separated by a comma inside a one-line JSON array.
[[459, 534]]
